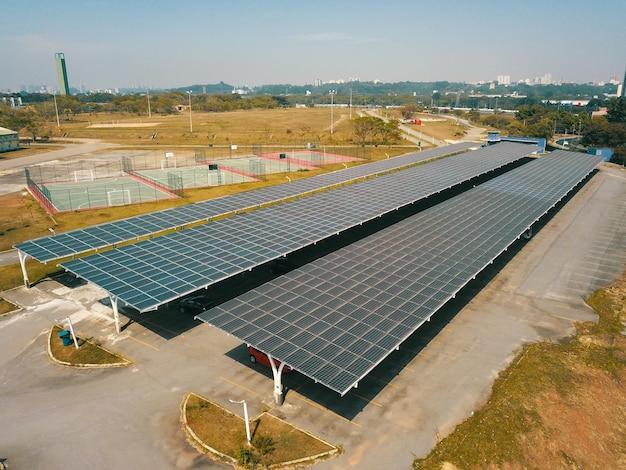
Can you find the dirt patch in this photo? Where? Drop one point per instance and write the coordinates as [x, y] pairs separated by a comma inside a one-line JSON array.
[[585, 429], [123, 125], [558, 406], [21, 218]]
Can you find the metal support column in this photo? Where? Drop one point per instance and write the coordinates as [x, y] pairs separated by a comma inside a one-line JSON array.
[[116, 313], [23, 256], [277, 372]]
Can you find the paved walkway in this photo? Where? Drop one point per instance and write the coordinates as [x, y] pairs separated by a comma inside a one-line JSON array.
[[12, 177]]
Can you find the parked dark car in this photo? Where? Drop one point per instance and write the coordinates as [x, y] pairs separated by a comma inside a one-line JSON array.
[[195, 304]]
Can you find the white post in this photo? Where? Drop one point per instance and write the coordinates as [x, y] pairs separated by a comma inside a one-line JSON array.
[[332, 103], [350, 103], [22, 256], [69, 322], [245, 417], [190, 121], [116, 313], [56, 109], [277, 372]]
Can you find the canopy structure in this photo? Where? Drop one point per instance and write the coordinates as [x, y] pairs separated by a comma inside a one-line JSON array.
[[154, 272], [338, 317], [97, 237]]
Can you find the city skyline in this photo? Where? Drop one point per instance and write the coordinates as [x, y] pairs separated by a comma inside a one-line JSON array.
[[112, 44]]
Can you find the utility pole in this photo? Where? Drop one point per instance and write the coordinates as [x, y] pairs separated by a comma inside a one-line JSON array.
[[190, 120], [332, 106]]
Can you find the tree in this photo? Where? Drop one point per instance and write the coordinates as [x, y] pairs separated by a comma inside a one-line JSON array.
[[370, 129], [409, 110], [616, 111], [497, 120], [541, 129], [365, 128], [473, 115], [530, 114], [389, 132], [601, 133]]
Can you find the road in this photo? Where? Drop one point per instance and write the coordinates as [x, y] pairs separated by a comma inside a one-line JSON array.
[[417, 135], [12, 178], [54, 417]]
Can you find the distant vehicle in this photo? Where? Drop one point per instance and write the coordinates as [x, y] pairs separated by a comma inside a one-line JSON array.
[[196, 304], [257, 356]]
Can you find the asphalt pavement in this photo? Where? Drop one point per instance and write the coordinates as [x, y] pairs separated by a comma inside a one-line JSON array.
[[54, 417]]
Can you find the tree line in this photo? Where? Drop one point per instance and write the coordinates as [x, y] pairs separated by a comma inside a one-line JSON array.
[[531, 119]]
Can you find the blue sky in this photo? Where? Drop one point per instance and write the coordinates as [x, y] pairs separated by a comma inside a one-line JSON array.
[[113, 43]]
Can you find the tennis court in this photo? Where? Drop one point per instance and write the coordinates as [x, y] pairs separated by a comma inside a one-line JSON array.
[[100, 193], [197, 176], [310, 158], [151, 176]]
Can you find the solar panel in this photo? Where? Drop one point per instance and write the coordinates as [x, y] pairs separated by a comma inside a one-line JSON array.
[[71, 243], [495, 214], [223, 247]]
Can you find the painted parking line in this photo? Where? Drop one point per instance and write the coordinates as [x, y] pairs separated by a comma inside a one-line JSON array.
[[159, 326], [143, 342], [320, 407], [365, 399], [242, 387], [582, 292], [382, 381]]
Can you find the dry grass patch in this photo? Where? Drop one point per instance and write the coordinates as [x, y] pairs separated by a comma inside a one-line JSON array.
[[89, 353], [6, 306], [273, 440], [242, 127], [557, 406]]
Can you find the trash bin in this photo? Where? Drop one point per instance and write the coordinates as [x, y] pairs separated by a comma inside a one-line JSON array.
[[65, 337]]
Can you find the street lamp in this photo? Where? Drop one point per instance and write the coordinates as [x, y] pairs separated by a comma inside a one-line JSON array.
[[245, 416], [149, 112], [332, 102], [190, 121], [56, 109]]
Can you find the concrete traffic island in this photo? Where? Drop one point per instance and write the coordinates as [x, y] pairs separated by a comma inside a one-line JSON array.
[[266, 440], [73, 351]]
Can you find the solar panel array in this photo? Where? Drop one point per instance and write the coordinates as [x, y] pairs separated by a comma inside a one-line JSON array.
[[338, 317], [150, 273], [71, 243]]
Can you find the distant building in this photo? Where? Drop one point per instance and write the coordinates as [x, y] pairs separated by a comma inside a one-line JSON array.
[[504, 79], [599, 113], [9, 140], [607, 153], [64, 87]]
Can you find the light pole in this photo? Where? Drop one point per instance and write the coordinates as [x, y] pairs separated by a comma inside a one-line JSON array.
[[56, 109], [351, 104], [332, 105], [245, 416], [149, 112], [190, 120]]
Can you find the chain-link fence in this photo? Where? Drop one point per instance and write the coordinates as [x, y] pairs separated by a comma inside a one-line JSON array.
[[124, 176]]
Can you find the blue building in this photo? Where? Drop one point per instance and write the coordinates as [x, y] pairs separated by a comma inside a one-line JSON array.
[[602, 152], [494, 136]]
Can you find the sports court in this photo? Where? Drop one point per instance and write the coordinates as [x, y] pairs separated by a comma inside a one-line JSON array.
[[91, 194], [151, 176]]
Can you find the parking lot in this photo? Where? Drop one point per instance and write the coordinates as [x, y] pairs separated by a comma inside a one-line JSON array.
[[122, 417]]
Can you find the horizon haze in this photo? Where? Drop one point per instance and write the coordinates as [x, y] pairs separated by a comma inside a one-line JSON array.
[[112, 44]]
